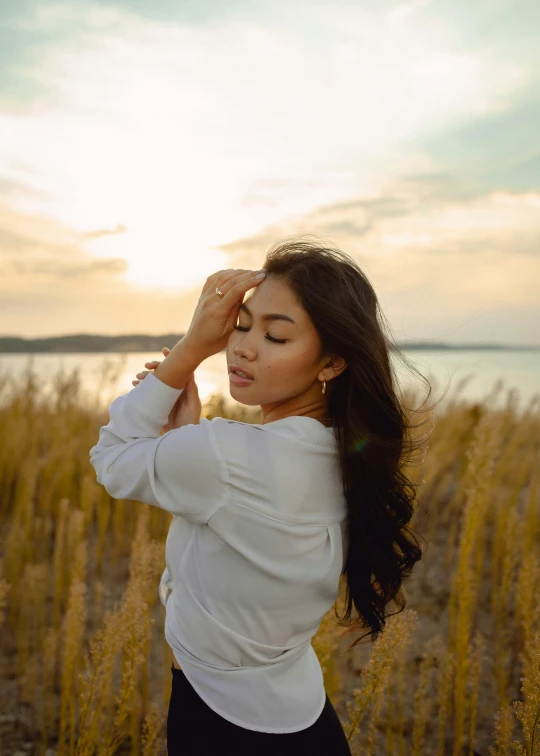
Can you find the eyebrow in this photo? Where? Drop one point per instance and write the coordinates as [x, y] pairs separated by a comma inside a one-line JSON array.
[[269, 315]]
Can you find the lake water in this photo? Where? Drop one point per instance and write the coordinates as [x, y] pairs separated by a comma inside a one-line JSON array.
[[477, 370]]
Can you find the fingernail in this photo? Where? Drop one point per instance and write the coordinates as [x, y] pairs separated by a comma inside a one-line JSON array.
[[261, 275]]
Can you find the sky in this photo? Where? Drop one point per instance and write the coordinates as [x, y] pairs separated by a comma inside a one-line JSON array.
[[145, 145]]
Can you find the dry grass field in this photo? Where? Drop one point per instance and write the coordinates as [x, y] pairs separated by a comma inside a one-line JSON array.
[[84, 666]]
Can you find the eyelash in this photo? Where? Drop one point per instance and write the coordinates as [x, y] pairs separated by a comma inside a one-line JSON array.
[[270, 338]]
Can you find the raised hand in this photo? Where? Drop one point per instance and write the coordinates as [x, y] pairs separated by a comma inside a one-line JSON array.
[[214, 317]]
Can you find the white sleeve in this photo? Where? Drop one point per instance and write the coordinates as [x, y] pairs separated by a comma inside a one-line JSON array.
[[182, 471]]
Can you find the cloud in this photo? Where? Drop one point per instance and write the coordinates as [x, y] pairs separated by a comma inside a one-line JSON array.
[[49, 285], [399, 12], [38, 248], [154, 145], [55, 272], [101, 232], [436, 251]]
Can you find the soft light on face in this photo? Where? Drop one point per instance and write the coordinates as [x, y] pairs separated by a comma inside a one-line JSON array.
[[282, 371]]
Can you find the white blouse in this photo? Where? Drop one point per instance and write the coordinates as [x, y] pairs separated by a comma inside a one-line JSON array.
[[254, 552]]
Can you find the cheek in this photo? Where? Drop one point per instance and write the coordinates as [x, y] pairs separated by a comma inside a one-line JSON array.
[[286, 368], [231, 343]]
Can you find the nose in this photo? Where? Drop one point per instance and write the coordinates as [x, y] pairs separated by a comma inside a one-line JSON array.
[[242, 351], [242, 346]]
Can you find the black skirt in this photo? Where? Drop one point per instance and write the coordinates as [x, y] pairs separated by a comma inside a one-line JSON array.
[[194, 729]]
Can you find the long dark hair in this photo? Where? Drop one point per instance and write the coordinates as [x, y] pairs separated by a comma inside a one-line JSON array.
[[372, 431]]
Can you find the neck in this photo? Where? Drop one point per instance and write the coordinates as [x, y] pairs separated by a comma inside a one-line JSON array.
[[319, 413]]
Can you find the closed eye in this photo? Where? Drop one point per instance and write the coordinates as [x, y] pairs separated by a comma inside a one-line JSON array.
[[270, 338]]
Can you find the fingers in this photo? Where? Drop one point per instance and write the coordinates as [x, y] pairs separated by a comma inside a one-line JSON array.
[[155, 363], [151, 365], [241, 283], [223, 277], [211, 282]]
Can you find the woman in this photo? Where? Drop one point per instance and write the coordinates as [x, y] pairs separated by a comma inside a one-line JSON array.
[[268, 516]]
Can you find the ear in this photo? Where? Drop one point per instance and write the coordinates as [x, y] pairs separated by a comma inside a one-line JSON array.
[[342, 366], [337, 364]]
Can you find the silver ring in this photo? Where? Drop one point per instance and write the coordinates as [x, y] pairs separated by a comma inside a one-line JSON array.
[[219, 292]]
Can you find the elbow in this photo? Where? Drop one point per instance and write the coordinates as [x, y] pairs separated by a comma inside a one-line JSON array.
[[103, 474], [96, 463], [113, 486], [114, 490]]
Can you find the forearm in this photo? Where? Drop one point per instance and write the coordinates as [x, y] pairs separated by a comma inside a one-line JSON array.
[[178, 365]]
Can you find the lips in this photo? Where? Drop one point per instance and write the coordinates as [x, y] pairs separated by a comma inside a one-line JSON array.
[[232, 368]]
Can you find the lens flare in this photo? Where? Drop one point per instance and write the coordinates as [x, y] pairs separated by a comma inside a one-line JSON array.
[[359, 445]]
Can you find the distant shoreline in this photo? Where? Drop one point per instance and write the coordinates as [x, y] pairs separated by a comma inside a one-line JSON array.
[[92, 344]]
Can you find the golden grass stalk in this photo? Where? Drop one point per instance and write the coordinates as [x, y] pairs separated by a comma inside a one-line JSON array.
[[528, 710], [154, 723], [98, 601], [503, 629], [126, 630], [448, 666], [5, 588], [50, 652], [390, 721], [400, 690], [504, 727], [423, 703], [137, 631], [142, 694], [14, 560], [475, 667], [395, 719], [527, 584], [481, 457], [103, 515], [531, 517], [375, 675], [374, 720], [35, 583], [75, 533], [98, 680], [73, 630], [59, 560]]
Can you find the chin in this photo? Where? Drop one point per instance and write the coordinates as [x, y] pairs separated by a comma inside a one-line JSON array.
[[240, 399], [238, 394]]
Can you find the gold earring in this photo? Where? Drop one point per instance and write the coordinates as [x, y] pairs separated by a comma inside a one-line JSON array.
[[324, 386]]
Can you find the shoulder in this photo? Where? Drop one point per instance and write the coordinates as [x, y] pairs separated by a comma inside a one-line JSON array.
[[298, 431], [226, 429], [235, 425]]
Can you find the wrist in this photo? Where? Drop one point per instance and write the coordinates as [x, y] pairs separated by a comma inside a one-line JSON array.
[[190, 351], [178, 365]]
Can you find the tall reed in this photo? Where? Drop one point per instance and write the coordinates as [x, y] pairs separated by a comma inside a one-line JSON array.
[[82, 642]]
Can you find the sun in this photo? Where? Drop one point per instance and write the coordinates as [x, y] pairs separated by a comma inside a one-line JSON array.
[[160, 257]]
